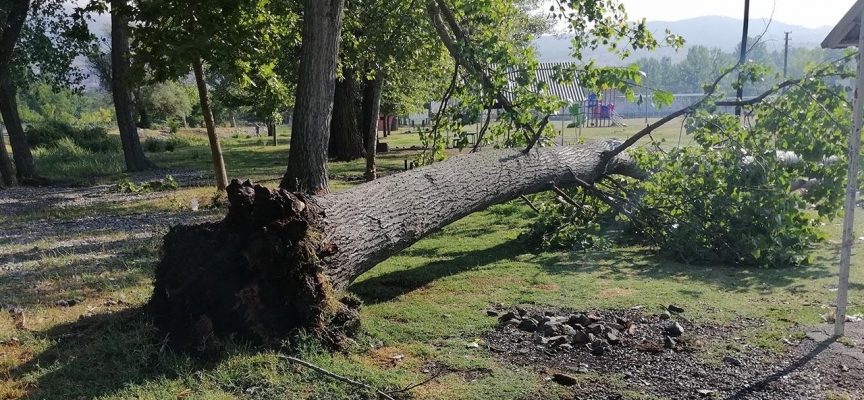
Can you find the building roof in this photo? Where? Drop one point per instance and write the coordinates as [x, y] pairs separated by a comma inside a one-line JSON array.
[[847, 31], [545, 73]]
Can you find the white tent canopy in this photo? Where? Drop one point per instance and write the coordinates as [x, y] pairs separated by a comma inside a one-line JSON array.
[[849, 32]]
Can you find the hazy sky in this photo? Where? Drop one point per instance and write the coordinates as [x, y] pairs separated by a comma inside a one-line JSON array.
[[807, 13]]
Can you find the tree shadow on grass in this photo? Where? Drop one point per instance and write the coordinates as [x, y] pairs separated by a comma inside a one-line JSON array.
[[95, 356], [388, 286], [644, 263]]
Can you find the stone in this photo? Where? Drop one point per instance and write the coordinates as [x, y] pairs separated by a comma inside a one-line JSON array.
[[512, 322], [506, 317], [668, 342], [612, 336], [582, 370], [522, 312], [472, 345], [582, 338], [528, 325], [579, 319], [675, 309], [732, 361], [492, 313], [565, 346], [616, 326], [563, 379], [598, 351], [595, 329], [665, 315], [550, 328], [539, 339], [557, 340], [567, 330], [674, 329]]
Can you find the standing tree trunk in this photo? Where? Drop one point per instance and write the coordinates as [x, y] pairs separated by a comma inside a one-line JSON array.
[[144, 118], [371, 104], [271, 130], [12, 18], [232, 119], [278, 260], [133, 154], [25, 167], [6, 171], [215, 147], [346, 141], [310, 132]]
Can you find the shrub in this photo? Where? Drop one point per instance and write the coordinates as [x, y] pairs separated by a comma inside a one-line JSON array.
[[154, 145], [179, 141], [94, 139], [66, 160], [167, 183]]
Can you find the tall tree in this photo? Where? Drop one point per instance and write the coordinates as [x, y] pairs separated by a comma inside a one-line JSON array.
[[12, 17], [133, 154], [7, 174], [215, 147], [346, 142], [25, 167], [310, 131], [46, 46]]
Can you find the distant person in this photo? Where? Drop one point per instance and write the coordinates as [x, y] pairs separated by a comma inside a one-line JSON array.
[[257, 130]]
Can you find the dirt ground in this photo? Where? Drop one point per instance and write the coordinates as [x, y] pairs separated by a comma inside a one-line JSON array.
[[706, 361]]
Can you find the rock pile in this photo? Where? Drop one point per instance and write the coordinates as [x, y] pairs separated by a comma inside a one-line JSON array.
[[589, 331]]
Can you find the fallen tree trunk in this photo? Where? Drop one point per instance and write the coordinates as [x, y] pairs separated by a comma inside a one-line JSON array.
[[278, 260]]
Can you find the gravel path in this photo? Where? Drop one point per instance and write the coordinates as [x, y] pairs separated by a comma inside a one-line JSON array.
[[31, 240]]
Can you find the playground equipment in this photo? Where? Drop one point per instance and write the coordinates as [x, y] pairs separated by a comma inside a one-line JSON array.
[[598, 113]]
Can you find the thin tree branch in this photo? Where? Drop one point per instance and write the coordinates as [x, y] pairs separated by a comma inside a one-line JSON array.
[[435, 376], [323, 371], [529, 203]]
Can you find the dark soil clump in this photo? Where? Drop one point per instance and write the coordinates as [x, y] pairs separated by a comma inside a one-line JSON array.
[[619, 353], [256, 274]]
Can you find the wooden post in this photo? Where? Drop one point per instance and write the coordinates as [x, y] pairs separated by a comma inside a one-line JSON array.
[[851, 193]]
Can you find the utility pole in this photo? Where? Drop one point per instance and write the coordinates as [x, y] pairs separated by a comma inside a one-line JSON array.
[[786, 54], [740, 92]]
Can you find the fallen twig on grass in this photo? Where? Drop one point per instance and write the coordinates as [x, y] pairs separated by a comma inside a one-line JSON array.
[[320, 370]]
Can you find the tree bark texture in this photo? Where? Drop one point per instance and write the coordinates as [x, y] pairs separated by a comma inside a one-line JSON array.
[[7, 173], [232, 118], [215, 147], [370, 107], [133, 154], [310, 132], [346, 142], [277, 260], [25, 167], [12, 17]]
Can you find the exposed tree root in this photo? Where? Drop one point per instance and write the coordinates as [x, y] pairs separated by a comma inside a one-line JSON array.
[[257, 273]]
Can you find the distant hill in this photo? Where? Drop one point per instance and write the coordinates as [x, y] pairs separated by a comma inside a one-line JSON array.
[[710, 31]]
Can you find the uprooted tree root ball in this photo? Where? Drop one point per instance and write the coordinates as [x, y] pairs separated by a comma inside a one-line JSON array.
[[257, 274]]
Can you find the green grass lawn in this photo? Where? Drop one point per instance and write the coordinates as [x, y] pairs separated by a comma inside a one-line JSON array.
[[424, 304]]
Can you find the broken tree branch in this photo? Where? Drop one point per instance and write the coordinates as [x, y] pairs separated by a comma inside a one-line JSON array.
[[294, 360]]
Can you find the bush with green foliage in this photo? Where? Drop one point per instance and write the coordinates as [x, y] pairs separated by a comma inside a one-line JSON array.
[[66, 160], [51, 133], [167, 183], [171, 143], [731, 197]]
